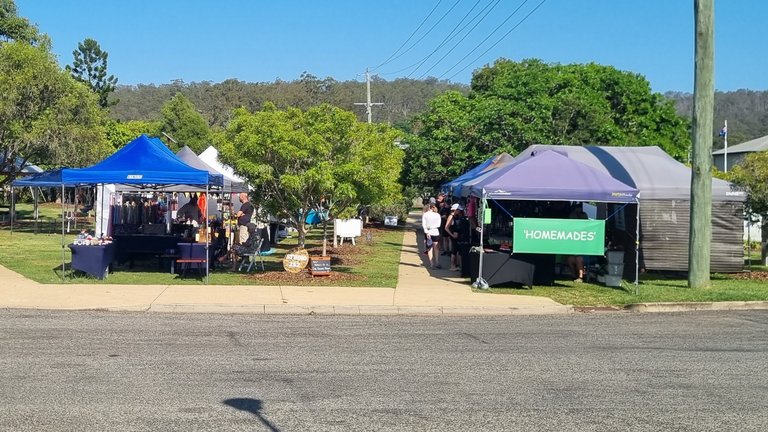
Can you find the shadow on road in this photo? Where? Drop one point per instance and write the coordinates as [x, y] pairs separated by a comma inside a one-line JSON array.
[[252, 406]]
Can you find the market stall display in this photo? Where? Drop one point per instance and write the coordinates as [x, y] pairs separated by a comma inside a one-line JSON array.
[[94, 260]]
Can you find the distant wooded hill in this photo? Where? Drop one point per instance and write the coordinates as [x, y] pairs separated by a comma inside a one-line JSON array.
[[745, 110], [402, 98]]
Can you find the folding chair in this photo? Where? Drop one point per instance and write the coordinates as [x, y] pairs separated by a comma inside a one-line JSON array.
[[69, 215], [250, 257]]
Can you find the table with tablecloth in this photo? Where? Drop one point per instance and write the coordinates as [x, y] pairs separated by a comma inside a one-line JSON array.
[[94, 260]]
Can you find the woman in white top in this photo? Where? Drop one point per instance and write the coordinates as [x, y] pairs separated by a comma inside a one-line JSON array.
[[430, 223]]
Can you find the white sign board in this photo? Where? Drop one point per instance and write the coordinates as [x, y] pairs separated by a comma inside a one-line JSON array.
[[390, 220], [348, 228]]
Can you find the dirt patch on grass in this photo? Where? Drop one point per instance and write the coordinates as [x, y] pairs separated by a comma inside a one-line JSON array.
[[344, 255], [304, 278], [343, 258], [755, 275]]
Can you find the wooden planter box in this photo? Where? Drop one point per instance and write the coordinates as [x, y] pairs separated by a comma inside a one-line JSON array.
[[320, 266]]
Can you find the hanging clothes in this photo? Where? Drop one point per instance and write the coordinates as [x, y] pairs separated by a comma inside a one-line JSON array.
[[202, 203]]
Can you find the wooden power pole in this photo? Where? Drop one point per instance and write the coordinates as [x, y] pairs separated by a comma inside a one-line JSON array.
[[700, 233], [368, 104]]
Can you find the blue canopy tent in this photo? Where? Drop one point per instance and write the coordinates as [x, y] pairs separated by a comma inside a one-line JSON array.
[[50, 178], [143, 162], [551, 176], [36, 180], [454, 186]]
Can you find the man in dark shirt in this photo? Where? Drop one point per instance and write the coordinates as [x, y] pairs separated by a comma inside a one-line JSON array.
[[244, 217], [190, 211]]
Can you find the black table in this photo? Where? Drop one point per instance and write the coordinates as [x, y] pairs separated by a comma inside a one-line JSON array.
[[93, 260], [130, 245], [501, 268]]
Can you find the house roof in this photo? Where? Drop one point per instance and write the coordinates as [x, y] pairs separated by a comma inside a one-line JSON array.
[[755, 145]]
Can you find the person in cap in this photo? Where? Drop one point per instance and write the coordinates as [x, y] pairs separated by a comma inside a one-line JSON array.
[[458, 229]]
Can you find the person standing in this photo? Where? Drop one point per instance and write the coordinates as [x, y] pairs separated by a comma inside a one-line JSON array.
[[444, 209], [190, 212], [243, 216], [430, 223], [459, 230], [576, 262]]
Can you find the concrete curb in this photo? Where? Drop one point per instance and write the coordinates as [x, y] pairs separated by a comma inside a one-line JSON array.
[[701, 306], [331, 310], [347, 310]]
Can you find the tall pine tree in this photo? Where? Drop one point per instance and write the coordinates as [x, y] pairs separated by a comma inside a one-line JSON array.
[[90, 67]]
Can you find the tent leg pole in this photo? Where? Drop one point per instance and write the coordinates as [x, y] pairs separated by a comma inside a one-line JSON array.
[[207, 232], [63, 258], [637, 249], [12, 209], [480, 283]]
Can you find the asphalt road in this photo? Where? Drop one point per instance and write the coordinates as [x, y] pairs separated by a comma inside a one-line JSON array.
[[98, 371]]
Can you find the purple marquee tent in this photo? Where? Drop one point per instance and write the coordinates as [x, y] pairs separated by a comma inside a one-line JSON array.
[[551, 176]]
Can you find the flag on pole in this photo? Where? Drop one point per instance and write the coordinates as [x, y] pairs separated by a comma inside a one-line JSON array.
[[724, 131]]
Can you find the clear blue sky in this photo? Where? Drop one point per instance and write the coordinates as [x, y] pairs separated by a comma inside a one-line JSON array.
[[260, 40]]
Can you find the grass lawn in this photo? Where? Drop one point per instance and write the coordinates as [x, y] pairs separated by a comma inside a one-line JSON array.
[[39, 257], [373, 263], [652, 288], [46, 211]]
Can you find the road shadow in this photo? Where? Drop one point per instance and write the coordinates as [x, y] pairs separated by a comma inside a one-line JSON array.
[[252, 406]]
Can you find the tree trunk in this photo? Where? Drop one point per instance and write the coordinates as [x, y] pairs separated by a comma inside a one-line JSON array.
[[302, 234], [325, 235]]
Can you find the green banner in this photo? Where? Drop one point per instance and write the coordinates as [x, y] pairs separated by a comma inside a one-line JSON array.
[[559, 236]]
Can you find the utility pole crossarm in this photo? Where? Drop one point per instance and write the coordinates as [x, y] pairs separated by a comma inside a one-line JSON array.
[[368, 104]]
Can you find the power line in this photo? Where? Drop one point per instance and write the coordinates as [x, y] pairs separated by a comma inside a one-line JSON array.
[[428, 31], [455, 33], [412, 35], [451, 35], [492, 46], [462, 40], [487, 37]]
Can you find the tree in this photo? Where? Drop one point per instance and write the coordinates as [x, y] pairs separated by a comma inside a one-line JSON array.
[[446, 142], [90, 67], [187, 126], [119, 134], [752, 175], [45, 115], [512, 105], [16, 28], [322, 158]]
